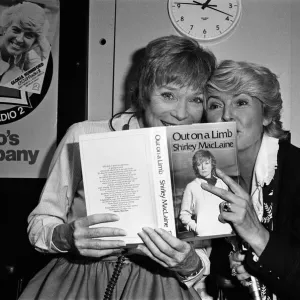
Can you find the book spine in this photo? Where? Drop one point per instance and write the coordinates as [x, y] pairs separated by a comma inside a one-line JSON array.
[[162, 181]]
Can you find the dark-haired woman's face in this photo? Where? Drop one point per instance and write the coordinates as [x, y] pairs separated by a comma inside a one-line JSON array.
[[245, 110], [205, 168], [173, 105], [17, 40]]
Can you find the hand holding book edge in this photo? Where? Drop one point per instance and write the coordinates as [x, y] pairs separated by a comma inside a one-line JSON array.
[[78, 237], [242, 215], [170, 252]]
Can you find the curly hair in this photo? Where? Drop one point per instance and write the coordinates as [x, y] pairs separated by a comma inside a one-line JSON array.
[[241, 77], [31, 17]]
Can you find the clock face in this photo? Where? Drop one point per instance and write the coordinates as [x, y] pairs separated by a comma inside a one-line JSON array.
[[208, 20]]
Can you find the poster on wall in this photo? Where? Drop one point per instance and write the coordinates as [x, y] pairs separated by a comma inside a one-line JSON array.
[[29, 45]]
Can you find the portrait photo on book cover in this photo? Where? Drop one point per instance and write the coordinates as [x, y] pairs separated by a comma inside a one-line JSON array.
[[196, 210], [27, 30]]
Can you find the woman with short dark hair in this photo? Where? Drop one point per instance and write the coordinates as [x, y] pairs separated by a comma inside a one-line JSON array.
[[86, 267]]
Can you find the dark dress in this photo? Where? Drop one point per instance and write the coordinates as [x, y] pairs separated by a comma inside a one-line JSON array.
[[86, 279], [278, 268]]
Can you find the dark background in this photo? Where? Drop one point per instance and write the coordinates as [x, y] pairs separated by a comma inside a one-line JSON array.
[[19, 260]]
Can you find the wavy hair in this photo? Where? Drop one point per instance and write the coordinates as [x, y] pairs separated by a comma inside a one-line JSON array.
[[203, 155], [31, 17], [241, 77]]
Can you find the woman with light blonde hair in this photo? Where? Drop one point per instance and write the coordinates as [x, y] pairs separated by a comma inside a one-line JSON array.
[[23, 44]]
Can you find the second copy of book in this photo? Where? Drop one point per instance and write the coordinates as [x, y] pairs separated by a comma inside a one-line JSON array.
[[152, 177]]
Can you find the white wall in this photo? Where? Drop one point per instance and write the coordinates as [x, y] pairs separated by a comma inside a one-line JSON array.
[[267, 34]]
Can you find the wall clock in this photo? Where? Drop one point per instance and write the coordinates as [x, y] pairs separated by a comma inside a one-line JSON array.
[[205, 20]]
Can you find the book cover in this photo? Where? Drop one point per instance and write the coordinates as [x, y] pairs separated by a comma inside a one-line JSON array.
[[127, 173], [195, 151], [143, 175]]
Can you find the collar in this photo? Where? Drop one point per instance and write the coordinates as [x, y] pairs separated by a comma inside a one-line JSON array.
[[264, 170], [119, 121], [266, 161]]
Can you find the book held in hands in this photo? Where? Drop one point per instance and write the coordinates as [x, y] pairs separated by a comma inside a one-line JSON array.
[[151, 177]]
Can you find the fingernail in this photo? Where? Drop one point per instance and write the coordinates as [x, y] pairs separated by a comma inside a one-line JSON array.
[[122, 232], [147, 229]]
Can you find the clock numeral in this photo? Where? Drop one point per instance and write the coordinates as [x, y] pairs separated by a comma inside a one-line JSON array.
[[204, 31], [227, 19], [217, 27], [192, 26], [230, 5], [182, 19]]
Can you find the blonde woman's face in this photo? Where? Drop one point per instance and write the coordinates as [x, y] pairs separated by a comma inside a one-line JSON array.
[[246, 111], [18, 40], [205, 168]]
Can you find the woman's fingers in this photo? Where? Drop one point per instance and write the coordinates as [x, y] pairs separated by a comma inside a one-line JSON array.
[[147, 252], [97, 241], [104, 232], [223, 194], [168, 250], [241, 273], [97, 219], [98, 244], [236, 264], [153, 245], [233, 186], [81, 226], [99, 253]]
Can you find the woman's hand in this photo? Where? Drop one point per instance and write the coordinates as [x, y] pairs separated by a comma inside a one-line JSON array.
[[170, 252], [240, 213], [78, 237], [237, 268]]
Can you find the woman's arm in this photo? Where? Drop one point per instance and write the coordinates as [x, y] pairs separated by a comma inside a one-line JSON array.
[[185, 214], [59, 225], [189, 262], [274, 257], [278, 266], [58, 193]]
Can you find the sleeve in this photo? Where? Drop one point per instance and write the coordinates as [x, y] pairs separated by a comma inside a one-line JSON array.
[[187, 209], [58, 193], [279, 264], [203, 249]]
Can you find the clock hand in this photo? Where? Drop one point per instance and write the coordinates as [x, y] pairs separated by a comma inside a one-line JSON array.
[[205, 4], [210, 6]]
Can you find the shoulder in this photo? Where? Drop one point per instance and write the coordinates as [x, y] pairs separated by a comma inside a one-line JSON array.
[[288, 147], [195, 183], [289, 154], [288, 166], [191, 183], [86, 127]]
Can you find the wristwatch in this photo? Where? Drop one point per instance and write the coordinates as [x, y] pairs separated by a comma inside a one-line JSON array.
[[190, 276]]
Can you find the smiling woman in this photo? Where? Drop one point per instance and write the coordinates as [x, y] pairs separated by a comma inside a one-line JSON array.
[[171, 81], [263, 208], [23, 44]]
